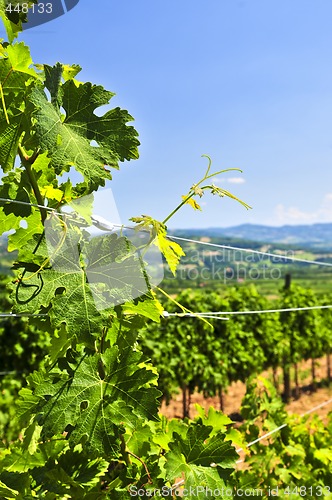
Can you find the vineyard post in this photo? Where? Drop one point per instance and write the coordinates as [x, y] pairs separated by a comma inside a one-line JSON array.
[[328, 366], [313, 375], [286, 368], [221, 398]]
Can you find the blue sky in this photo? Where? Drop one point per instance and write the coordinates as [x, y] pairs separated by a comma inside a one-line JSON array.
[[246, 82]]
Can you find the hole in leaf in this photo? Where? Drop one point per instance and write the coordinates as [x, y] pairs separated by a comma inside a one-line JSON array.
[[84, 405], [69, 429], [23, 224], [60, 291], [71, 174]]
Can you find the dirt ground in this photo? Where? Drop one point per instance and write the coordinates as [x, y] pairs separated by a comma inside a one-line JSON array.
[[232, 399]]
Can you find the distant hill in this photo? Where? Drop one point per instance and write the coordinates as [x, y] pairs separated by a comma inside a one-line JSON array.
[[312, 236]]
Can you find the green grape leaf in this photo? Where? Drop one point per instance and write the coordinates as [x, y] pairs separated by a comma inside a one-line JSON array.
[[59, 344], [215, 418], [15, 73], [70, 71], [201, 483], [84, 472], [193, 455], [219, 422], [194, 449], [150, 308], [139, 440], [324, 455], [69, 139], [10, 134], [20, 62], [73, 472], [103, 392], [170, 250], [6, 492], [24, 234], [14, 187], [192, 202], [82, 287], [20, 460]]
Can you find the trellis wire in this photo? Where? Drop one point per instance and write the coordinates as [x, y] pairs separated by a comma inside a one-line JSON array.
[[214, 314], [189, 240], [13, 315], [325, 403], [19, 202]]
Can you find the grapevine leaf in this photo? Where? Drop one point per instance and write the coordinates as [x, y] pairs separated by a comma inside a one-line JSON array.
[[15, 73], [70, 71], [53, 77], [170, 250], [219, 422], [215, 418], [85, 472], [73, 472], [222, 192], [149, 308], [82, 293], [139, 440], [94, 400], [14, 187], [21, 64], [24, 234], [195, 451], [324, 455], [59, 344], [10, 134], [192, 457], [21, 460], [68, 138], [52, 193], [201, 481], [6, 492], [192, 202]]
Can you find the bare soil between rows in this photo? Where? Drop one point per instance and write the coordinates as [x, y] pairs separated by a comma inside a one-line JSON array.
[[308, 400]]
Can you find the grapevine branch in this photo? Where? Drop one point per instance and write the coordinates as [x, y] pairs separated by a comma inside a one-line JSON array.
[[197, 189], [27, 163], [143, 463]]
